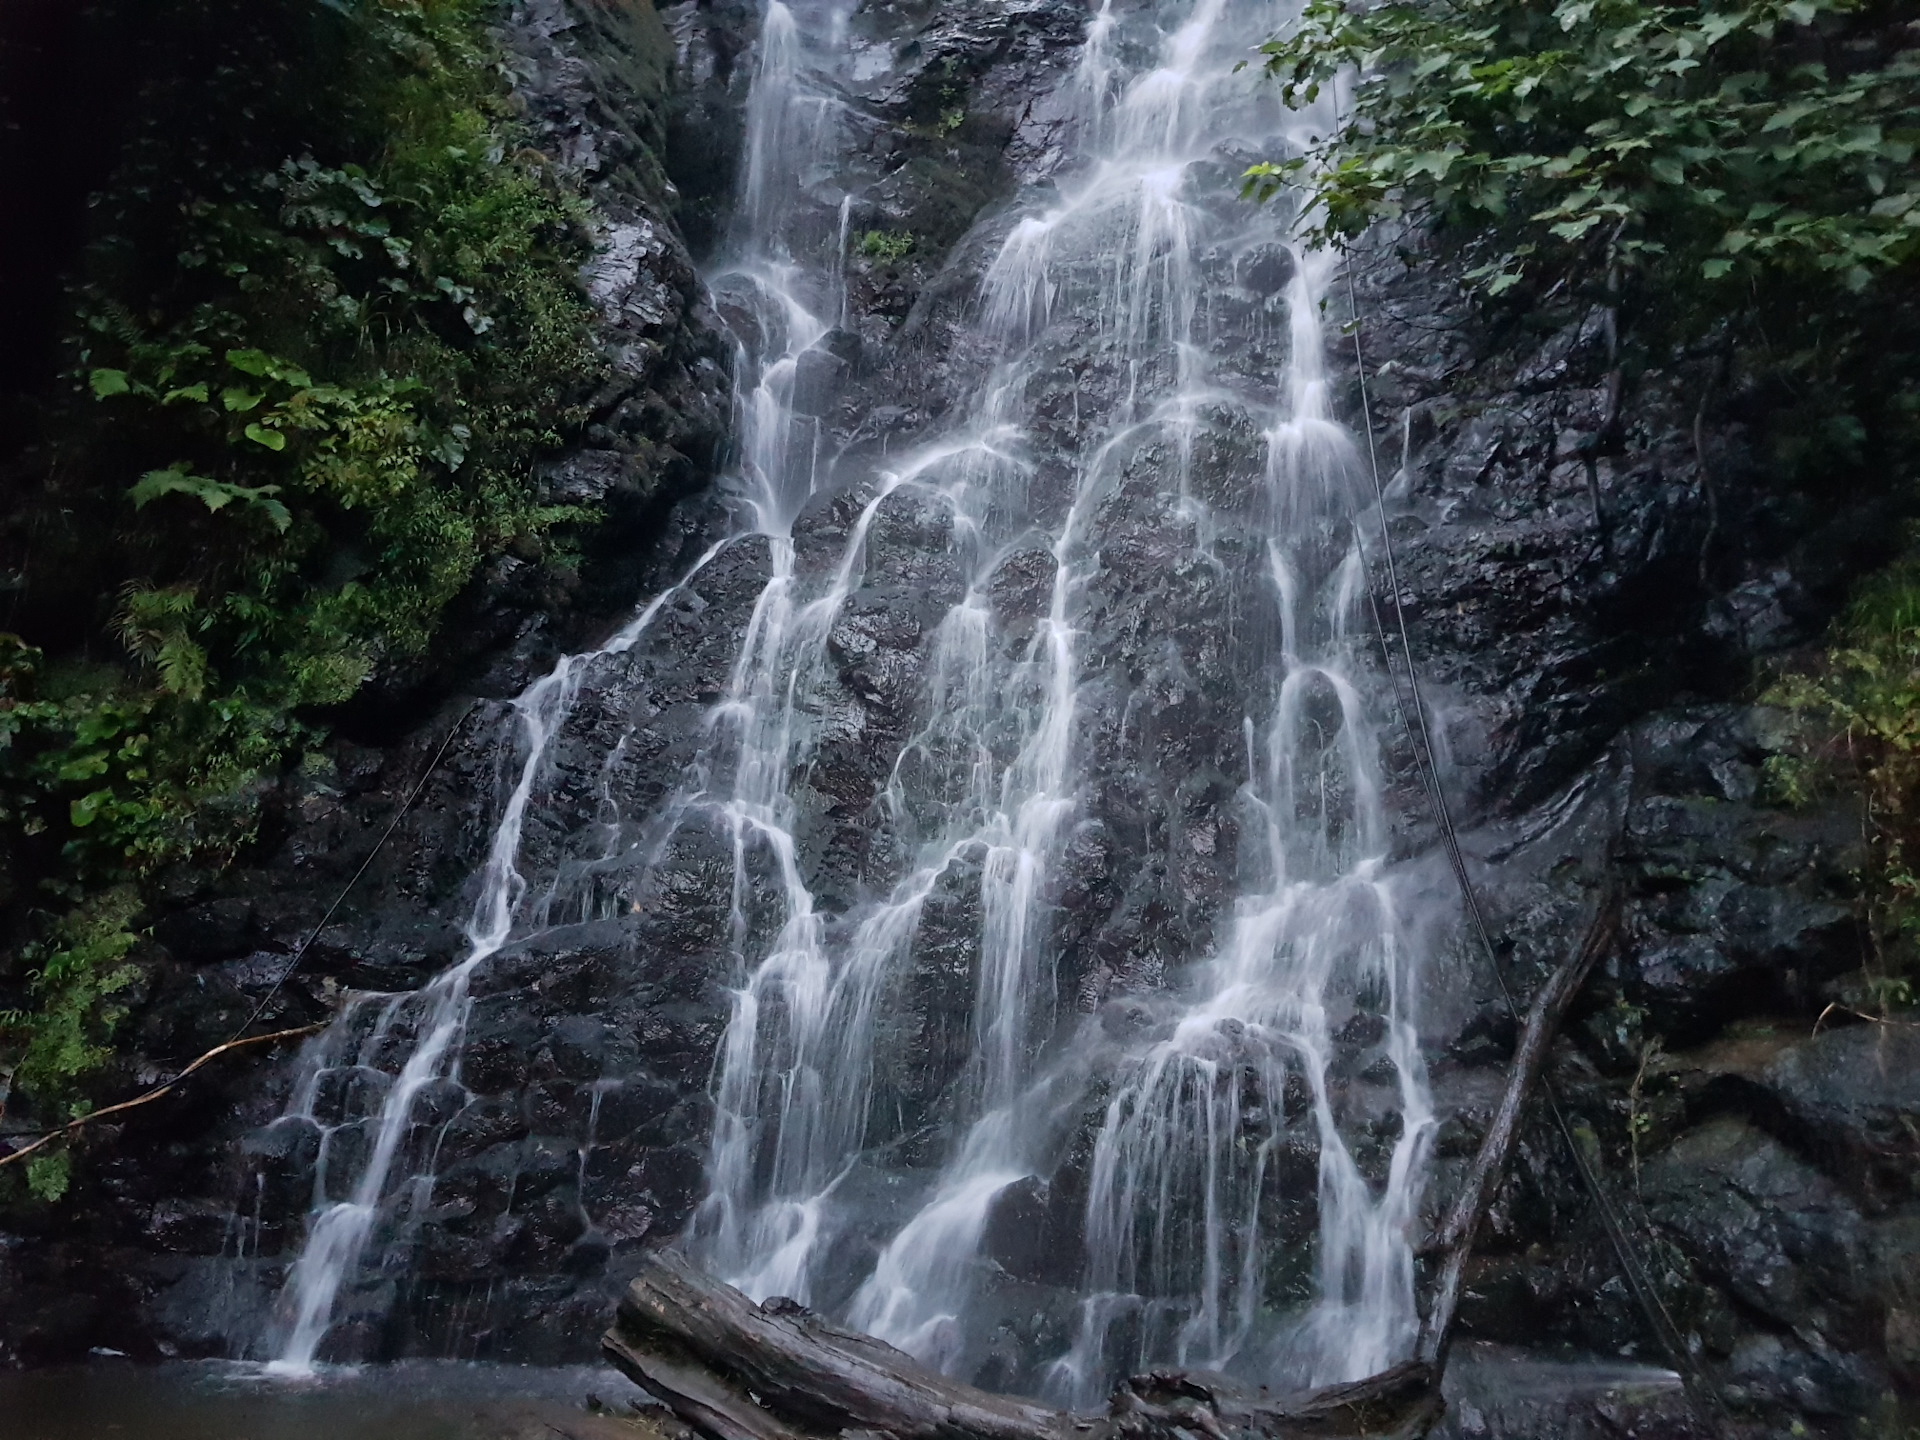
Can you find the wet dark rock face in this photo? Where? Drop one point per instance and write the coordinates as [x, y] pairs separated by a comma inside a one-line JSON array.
[[1586, 606], [595, 79]]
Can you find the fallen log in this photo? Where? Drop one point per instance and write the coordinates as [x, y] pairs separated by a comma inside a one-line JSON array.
[[735, 1370], [739, 1371], [778, 1371]]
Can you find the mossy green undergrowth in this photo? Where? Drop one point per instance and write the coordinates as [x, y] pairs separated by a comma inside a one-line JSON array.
[[327, 323], [1862, 712], [887, 245]]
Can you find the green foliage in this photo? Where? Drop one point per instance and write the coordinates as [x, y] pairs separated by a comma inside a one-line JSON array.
[[214, 494], [891, 246], [80, 966], [1691, 143], [327, 325], [1728, 182], [61, 1036], [49, 1174], [364, 356], [1865, 705]]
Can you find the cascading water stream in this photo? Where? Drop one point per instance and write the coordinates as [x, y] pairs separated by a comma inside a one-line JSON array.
[[1319, 918], [338, 1230], [422, 1030], [1322, 921], [1110, 267]]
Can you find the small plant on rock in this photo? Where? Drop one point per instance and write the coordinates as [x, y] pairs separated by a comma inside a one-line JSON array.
[[887, 246]]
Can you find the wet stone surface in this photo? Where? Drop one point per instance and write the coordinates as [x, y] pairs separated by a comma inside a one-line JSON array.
[[1584, 636]]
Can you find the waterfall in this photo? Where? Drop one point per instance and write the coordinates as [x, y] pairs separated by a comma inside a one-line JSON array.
[[1315, 926], [421, 1030], [1109, 271], [788, 127]]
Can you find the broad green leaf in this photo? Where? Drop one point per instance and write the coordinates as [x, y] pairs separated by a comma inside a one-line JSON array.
[[1717, 26], [261, 435], [1788, 116], [216, 495], [155, 483], [1573, 14], [86, 809], [83, 766], [108, 382]]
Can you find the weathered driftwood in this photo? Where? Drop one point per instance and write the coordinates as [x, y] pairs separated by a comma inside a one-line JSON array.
[[739, 1371]]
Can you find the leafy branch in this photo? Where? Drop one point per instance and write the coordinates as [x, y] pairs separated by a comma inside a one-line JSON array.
[[1707, 143]]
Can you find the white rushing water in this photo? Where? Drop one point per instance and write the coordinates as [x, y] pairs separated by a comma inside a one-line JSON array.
[[1175, 1263], [987, 790], [420, 1032], [401, 1047]]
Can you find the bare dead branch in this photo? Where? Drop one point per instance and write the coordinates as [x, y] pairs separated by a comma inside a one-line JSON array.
[[72, 1127]]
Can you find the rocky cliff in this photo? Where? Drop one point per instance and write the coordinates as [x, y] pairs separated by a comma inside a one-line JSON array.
[[1590, 578], [1592, 603]]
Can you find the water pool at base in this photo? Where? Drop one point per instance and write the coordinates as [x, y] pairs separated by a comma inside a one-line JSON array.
[[1492, 1394], [217, 1400]]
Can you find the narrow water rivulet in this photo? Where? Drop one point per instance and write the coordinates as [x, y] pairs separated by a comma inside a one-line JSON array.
[[1219, 1119]]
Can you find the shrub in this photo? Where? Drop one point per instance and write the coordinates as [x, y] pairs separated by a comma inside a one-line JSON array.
[[327, 323]]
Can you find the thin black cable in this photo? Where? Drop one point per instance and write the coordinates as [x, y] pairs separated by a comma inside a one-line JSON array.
[[300, 951], [1419, 736], [155, 1091]]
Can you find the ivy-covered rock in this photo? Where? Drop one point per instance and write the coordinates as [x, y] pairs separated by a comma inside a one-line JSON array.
[[382, 343]]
